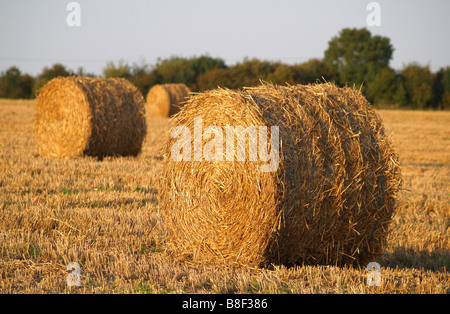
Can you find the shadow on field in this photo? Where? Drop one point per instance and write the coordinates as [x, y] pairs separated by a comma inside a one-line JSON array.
[[407, 258]]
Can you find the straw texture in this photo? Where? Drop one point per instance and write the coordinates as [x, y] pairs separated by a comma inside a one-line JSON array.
[[92, 116], [166, 100], [329, 202]]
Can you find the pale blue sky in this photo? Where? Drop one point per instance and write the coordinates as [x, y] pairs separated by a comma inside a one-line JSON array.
[[34, 33]]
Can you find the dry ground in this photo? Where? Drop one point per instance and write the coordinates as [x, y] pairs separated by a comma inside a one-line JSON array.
[[104, 216]]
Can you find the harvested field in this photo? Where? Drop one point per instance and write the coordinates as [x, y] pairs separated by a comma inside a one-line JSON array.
[[104, 216]]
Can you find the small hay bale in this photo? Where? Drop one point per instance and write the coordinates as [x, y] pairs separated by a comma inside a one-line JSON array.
[[92, 116], [329, 201], [166, 100]]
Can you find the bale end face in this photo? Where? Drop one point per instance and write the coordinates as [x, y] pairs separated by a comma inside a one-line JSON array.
[[63, 121], [166, 100]]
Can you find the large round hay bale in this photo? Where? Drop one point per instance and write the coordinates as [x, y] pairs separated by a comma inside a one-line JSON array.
[[329, 200], [166, 100], [92, 116]]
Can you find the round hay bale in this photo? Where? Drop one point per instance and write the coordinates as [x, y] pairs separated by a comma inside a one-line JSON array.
[[328, 201], [92, 116], [166, 100]]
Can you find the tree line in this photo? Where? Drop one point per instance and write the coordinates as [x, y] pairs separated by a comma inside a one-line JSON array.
[[354, 57]]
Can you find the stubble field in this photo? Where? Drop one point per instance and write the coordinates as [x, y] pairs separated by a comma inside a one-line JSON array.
[[104, 216]]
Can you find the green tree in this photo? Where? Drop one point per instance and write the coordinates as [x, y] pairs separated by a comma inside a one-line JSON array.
[[14, 84], [443, 87], [419, 84], [81, 72], [282, 74], [250, 72], [122, 70], [26, 85], [213, 78], [354, 52], [49, 74], [311, 71], [400, 96], [382, 88], [175, 70], [205, 63], [186, 70]]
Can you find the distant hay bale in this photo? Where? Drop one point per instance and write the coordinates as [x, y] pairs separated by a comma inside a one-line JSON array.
[[329, 201], [166, 100], [92, 116]]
